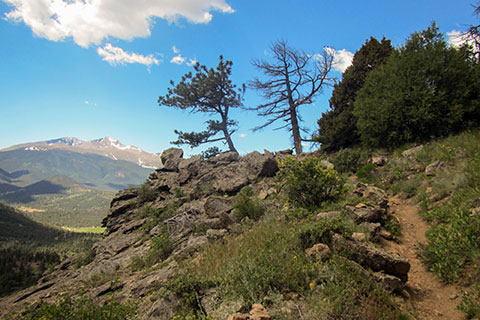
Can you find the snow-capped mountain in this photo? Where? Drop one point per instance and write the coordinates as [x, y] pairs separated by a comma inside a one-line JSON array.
[[107, 147]]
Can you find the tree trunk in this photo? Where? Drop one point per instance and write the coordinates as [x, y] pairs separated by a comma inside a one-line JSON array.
[[297, 139], [229, 141], [226, 133]]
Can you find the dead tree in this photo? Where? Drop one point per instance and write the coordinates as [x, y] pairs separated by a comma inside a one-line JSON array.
[[294, 78]]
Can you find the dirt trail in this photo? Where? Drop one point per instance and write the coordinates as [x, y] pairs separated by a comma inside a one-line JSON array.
[[430, 298]]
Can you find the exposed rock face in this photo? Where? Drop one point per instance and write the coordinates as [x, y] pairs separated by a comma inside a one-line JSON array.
[[191, 194], [195, 199], [171, 158], [369, 256]]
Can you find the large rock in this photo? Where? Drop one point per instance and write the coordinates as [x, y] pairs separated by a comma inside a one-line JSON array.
[[171, 159], [433, 167], [363, 213], [412, 151], [374, 195], [231, 179], [371, 257], [214, 206], [319, 251], [189, 168], [260, 165]]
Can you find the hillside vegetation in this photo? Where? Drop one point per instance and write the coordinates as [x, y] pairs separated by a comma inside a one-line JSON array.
[[60, 201], [93, 170]]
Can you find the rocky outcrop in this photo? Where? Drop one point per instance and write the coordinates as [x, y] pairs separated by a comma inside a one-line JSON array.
[[191, 201]]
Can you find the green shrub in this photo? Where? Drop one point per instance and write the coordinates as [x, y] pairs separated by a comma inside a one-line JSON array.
[[365, 300], [263, 260], [322, 231], [146, 193], [365, 173], [79, 309], [451, 245], [308, 183], [188, 288], [246, 206], [350, 160], [470, 304]]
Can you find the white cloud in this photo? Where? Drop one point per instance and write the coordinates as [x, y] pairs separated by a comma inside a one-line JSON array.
[[242, 135], [342, 59], [192, 62], [175, 50], [115, 56], [89, 103], [178, 59], [457, 38], [92, 21]]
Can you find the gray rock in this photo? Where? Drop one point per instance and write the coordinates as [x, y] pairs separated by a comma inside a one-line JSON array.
[[374, 195], [224, 158], [359, 236], [319, 251], [389, 282], [329, 215], [365, 214], [214, 206], [379, 160], [189, 168], [433, 167], [369, 256], [214, 234], [327, 164], [412, 151], [171, 159], [260, 165]]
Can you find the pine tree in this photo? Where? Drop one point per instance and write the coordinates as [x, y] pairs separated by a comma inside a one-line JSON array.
[[209, 91], [337, 127]]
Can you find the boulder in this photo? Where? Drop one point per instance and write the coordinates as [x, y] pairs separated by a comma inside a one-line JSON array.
[[365, 213], [171, 159], [319, 251], [373, 194], [433, 167], [412, 151], [379, 160], [359, 236], [260, 165], [329, 215], [214, 206], [215, 234], [389, 282], [189, 168], [258, 312], [231, 181], [369, 256], [224, 158]]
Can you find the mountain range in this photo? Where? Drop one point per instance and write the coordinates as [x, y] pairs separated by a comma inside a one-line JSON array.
[[69, 182], [104, 164]]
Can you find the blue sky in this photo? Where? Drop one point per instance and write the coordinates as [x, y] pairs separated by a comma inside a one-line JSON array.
[[95, 68]]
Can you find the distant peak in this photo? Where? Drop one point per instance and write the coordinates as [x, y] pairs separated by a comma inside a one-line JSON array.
[[65, 140]]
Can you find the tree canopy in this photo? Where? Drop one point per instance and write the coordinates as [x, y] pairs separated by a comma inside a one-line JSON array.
[[294, 78], [425, 89], [338, 126], [209, 91]]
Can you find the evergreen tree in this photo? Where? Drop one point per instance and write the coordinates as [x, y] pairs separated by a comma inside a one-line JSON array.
[[209, 91], [426, 89], [337, 127]]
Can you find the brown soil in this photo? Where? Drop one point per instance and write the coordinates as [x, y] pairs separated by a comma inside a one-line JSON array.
[[429, 297]]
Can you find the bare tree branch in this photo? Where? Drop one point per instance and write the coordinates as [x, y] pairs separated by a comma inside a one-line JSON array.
[[293, 79]]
